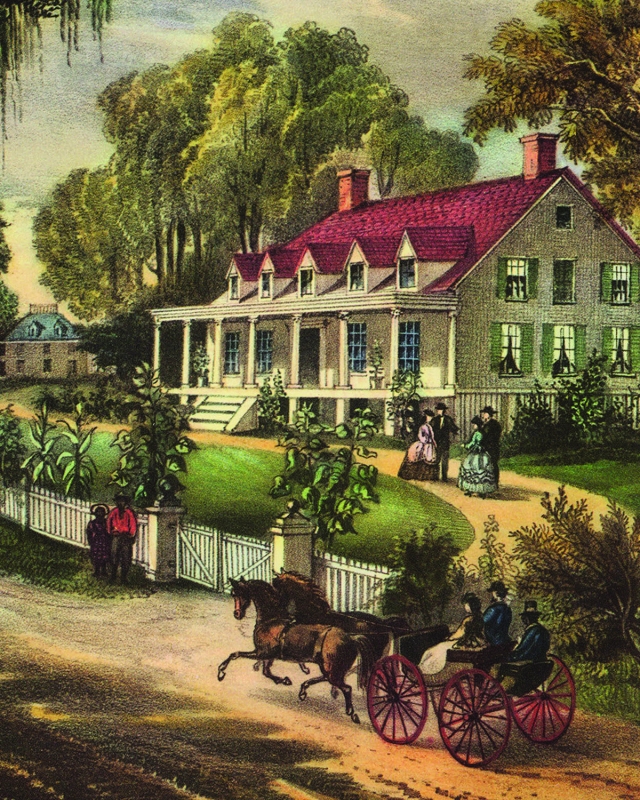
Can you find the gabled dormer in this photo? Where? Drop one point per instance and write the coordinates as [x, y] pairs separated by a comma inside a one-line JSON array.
[[357, 270], [233, 283], [407, 265], [60, 330], [35, 329], [266, 279], [306, 275]]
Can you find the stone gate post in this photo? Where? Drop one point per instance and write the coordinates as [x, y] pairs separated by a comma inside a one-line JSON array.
[[164, 522], [292, 542]]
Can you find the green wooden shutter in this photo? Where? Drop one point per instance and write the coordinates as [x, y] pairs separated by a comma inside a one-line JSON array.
[[606, 276], [532, 277], [495, 341], [634, 347], [526, 348], [634, 288], [546, 349], [581, 347], [607, 343], [501, 279]]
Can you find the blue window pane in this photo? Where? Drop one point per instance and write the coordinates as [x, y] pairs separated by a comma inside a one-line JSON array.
[[264, 351], [407, 273], [409, 347], [232, 353], [357, 346]]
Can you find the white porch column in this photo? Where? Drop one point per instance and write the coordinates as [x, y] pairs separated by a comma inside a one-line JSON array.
[[186, 352], [395, 341], [210, 348], [451, 352], [156, 345], [294, 378], [216, 367], [323, 355], [343, 351], [251, 354]]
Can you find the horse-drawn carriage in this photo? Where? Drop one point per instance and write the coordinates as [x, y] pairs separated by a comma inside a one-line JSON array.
[[475, 698]]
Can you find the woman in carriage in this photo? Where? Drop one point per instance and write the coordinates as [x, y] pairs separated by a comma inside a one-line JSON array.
[[468, 636]]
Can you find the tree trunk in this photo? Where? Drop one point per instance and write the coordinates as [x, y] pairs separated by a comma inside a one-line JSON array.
[[170, 258], [181, 236], [159, 270], [113, 278], [255, 228]]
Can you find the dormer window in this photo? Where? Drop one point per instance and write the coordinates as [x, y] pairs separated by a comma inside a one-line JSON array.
[[305, 282], [407, 273], [35, 329], [356, 277], [59, 330], [265, 285], [233, 287]]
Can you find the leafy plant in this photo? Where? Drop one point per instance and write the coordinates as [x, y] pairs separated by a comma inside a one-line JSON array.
[[495, 563], [40, 465], [404, 407], [78, 467], [582, 403], [376, 360], [331, 484], [12, 447], [534, 426], [154, 450], [588, 579], [423, 578], [270, 417], [200, 361]]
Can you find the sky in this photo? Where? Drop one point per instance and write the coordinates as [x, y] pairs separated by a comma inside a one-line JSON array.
[[56, 126]]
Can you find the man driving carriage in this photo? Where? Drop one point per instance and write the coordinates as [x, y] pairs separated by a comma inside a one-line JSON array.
[[497, 616], [536, 639]]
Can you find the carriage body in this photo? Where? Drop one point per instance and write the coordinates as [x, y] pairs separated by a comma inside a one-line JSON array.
[[476, 698]]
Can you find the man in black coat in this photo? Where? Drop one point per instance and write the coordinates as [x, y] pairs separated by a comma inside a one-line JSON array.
[[491, 433], [443, 429]]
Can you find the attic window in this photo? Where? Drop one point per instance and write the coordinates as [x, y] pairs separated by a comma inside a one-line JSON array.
[[564, 218], [35, 329], [305, 282], [59, 330], [265, 285], [356, 277], [233, 287], [407, 276]]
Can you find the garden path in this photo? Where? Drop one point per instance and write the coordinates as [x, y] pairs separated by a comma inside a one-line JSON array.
[[516, 504]]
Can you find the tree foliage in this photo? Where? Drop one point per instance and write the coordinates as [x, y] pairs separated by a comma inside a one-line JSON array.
[[123, 342], [270, 405], [578, 68], [404, 407], [589, 579], [331, 485], [12, 447], [153, 450]]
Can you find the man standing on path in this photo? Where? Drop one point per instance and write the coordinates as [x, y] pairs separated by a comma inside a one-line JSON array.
[[443, 429], [491, 433], [123, 526]]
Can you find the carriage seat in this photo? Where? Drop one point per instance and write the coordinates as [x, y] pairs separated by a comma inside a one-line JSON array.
[[521, 677], [413, 645], [480, 657]]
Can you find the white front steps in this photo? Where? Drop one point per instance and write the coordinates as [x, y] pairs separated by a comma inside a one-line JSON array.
[[221, 412]]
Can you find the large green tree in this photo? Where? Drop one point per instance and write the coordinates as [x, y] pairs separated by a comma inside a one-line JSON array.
[[580, 70]]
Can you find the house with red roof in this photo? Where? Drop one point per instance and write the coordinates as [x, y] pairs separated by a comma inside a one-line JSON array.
[[481, 289]]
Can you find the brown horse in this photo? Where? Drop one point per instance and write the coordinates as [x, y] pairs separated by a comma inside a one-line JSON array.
[[276, 637]]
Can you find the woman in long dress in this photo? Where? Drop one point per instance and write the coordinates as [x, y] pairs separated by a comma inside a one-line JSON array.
[[99, 540], [477, 474], [468, 636], [420, 460]]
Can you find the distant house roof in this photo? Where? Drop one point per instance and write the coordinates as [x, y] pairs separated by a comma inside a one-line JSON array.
[[43, 327], [459, 225]]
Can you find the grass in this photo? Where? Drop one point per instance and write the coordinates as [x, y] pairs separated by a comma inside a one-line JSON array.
[[609, 689]]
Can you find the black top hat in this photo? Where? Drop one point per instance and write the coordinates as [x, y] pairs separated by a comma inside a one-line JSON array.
[[488, 410], [499, 588], [121, 498], [476, 421], [428, 412], [442, 407], [531, 610]]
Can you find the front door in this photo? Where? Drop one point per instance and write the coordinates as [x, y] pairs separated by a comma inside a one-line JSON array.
[[310, 356]]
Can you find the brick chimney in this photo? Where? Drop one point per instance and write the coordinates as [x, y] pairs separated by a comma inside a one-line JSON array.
[[353, 188], [539, 154]]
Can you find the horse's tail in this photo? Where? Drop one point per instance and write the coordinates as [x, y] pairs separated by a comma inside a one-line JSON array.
[[367, 658]]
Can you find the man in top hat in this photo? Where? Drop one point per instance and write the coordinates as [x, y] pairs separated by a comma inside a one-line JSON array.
[[491, 433], [123, 526], [497, 616], [536, 639], [443, 429]]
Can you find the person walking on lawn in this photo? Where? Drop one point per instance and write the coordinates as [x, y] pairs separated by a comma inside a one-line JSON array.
[[443, 429], [491, 433], [123, 526]]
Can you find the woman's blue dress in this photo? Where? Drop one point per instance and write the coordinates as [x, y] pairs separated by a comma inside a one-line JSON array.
[[476, 471]]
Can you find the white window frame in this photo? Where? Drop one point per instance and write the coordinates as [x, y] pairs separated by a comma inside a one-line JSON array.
[[415, 274], [403, 345], [517, 268], [621, 274], [571, 261], [235, 352], [269, 294], [515, 331], [571, 225], [363, 267], [357, 344], [312, 283], [621, 333], [266, 352], [568, 333], [234, 287]]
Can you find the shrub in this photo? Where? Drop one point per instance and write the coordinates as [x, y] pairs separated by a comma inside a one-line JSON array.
[[424, 576], [534, 427], [494, 562], [12, 448], [404, 407], [270, 405]]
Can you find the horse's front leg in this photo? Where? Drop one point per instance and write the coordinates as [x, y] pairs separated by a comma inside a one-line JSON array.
[[238, 654], [266, 671], [305, 669]]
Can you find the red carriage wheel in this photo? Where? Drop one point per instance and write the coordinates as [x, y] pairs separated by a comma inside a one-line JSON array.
[[543, 715], [397, 700], [474, 718]]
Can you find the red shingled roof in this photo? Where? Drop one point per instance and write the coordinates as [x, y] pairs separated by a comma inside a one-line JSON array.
[[444, 243], [285, 261], [248, 265], [380, 251], [329, 257]]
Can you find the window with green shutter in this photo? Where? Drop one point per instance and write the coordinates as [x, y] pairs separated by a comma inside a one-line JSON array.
[[634, 347], [546, 348], [581, 346], [607, 343], [495, 345], [606, 276], [517, 279], [526, 348], [635, 283], [564, 271]]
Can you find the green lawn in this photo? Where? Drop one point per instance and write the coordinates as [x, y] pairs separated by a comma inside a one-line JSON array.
[[618, 480]]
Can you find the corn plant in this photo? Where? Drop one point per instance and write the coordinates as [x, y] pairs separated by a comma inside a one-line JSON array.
[[40, 465], [78, 468]]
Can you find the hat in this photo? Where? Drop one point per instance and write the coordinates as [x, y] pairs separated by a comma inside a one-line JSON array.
[[488, 410], [442, 407], [121, 497], [500, 589], [476, 421], [531, 609], [97, 506], [428, 412]]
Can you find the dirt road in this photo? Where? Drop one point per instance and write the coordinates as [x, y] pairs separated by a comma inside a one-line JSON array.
[[119, 699]]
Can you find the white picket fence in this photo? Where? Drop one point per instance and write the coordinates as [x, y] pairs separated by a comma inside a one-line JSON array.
[[350, 585]]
